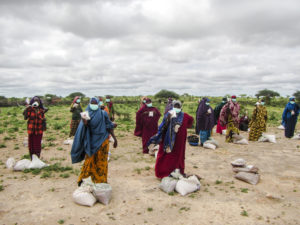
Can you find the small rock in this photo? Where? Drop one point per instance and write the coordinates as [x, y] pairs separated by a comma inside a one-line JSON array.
[[274, 197], [83, 219], [61, 206]]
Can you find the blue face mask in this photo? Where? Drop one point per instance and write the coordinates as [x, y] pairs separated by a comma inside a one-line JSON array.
[[149, 105], [262, 103], [233, 100], [177, 110], [100, 103], [107, 100], [144, 101], [292, 102], [94, 107], [78, 101]]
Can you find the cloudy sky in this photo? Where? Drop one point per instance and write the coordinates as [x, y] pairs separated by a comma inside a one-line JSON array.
[[138, 47]]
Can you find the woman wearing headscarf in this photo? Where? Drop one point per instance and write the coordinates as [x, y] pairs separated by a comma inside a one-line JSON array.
[[110, 106], [146, 123], [205, 120], [102, 106], [171, 138], [229, 117], [217, 112], [36, 125], [143, 102], [290, 116], [91, 143], [75, 110], [169, 105], [258, 121]]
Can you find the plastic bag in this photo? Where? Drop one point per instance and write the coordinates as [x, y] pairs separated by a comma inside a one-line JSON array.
[[267, 138], [243, 141], [296, 137], [85, 115], [68, 142], [10, 163], [239, 163], [213, 141], [251, 178], [188, 185], [22, 164], [247, 169], [36, 163], [209, 145], [83, 196], [168, 184], [281, 127], [102, 192], [224, 132]]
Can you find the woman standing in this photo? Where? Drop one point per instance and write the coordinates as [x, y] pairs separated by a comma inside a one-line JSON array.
[[36, 125], [290, 116], [91, 142], [217, 111], [146, 123], [171, 138], [75, 110], [205, 120], [258, 122], [229, 117]]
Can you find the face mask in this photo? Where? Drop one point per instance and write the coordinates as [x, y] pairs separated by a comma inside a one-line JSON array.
[[262, 103], [177, 110], [149, 105], [94, 107], [35, 104], [223, 101], [144, 101], [107, 100], [207, 103], [78, 100], [233, 100], [292, 102], [100, 103]]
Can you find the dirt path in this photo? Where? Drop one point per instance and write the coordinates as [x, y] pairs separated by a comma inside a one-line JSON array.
[[29, 199]]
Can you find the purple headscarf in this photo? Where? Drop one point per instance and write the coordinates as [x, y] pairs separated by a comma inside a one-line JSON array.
[[169, 105], [204, 120], [40, 102]]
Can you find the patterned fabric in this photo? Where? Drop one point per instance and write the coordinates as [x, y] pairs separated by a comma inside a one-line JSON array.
[[35, 117], [74, 125], [258, 123], [96, 165], [231, 129], [233, 109], [35, 144]]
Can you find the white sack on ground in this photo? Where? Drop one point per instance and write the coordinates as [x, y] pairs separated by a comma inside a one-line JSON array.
[[188, 185], [22, 164], [209, 145], [102, 192], [239, 162], [84, 196], [168, 184], [10, 163], [251, 178], [36, 163]]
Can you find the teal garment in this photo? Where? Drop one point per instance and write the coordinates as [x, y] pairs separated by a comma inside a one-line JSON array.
[[88, 139]]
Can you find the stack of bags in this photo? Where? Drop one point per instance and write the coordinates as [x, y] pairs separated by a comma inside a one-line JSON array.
[[211, 144], [245, 173]]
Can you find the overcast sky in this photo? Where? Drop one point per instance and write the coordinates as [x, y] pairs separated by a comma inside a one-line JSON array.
[[138, 47]]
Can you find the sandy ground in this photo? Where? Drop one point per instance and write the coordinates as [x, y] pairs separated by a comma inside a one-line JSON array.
[[29, 199]]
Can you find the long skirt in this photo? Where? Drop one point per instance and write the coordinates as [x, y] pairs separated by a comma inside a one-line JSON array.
[[73, 127], [290, 127], [35, 144], [230, 130], [255, 133], [220, 128], [96, 166], [204, 135]]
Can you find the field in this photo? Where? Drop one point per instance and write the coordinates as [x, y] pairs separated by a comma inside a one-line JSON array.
[[45, 196]]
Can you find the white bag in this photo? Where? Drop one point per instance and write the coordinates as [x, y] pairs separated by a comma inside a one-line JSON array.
[[224, 132], [209, 145], [22, 164], [267, 138], [36, 163], [239, 163], [188, 185], [85, 115], [68, 142], [102, 192], [213, 141], [251, 178], [296, 137], [168, 184], [84, 196], [10, 163], [281, 127], [241, 142]]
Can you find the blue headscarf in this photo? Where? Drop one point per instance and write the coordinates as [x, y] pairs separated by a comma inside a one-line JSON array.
[[287, 111], [88, 139], [167, 127]]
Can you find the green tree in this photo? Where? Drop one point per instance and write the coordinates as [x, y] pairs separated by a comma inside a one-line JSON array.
[[74, 94], [166, 94], [297, 95], [268, 94]]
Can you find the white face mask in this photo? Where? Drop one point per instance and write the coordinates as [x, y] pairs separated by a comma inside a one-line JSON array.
[[78, 101], [233, 100], [149, 105], [292, 102], [177, 110], [94, 107], [107, 100], [207, 103], [35, 104]]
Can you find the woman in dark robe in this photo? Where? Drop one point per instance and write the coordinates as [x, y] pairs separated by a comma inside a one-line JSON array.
[[205, 120], [171, 138], [217, 112], [75, 110], [146, 123], [290, 117], [36, 125]]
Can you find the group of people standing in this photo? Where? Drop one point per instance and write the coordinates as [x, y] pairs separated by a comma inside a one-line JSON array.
[[91, 137]]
